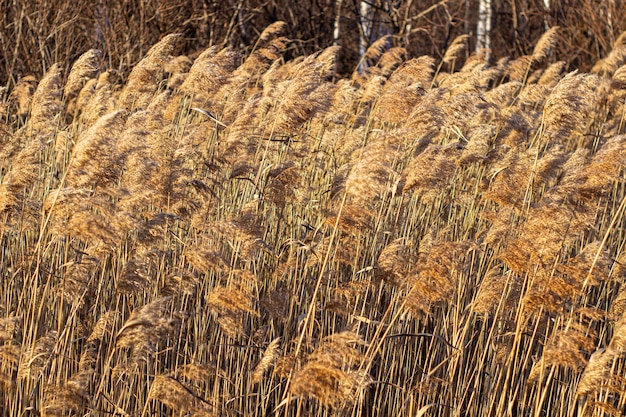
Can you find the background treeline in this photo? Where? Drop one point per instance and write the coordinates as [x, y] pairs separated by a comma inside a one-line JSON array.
[[34, 34]]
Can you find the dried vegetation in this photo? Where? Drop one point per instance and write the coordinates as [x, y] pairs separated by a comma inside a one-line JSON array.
[[247, 235]]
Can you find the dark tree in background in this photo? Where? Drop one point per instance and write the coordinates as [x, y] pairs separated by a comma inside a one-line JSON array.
[[34, 34]]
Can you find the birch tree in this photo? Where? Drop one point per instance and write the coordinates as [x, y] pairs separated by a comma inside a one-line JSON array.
[[483, 27], [366, 24], [337, 23], [374, 24]]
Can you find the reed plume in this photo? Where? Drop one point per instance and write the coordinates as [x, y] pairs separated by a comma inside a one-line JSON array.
[[272, 31], [25, 171], [619, 77], [455, 50], [616, 58], [532, 97], [372, 54], [259, 61], [97, 103], [590, 267], [388, 62], [8, 328], [373, 174], [431, 169], [22, 94], [403, 91], [178, 69], [82, 98], [45, 105], [209, 72], [594, 179], [275, 302], [231, 302], [435, 278], [239, 143], [554, 289], [341, 109], [573, 96], [94, 157], [144, 78], [139, 273], [271, 353], [63, 400], [147, 327], [331, 374], [597, 373], [283, 183], [480, 142], [427, 118], [551, 225], [552, 75], [9, 361], [545, 44], [392, 262], [618, 304], [36, 358], [206, 259], [199, 372], [493, 288], [298, 101], [566, 349], [147, 161], [61, 204], [172, 393], [518, 69], [77, 281], [85, 68], [517, 178], [371, 90]]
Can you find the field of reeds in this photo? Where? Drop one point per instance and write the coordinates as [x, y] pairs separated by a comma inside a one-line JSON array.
[[242, 235]]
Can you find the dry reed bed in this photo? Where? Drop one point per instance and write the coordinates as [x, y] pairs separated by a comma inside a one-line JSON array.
[[247, 236]]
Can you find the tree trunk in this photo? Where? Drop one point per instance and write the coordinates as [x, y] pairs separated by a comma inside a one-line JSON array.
[[483, 28], [366, 24], [337, 27]]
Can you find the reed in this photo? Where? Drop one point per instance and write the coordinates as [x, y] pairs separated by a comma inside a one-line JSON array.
[[242, 233]]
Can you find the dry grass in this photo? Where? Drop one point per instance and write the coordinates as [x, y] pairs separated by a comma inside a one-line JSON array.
[[245, 235]]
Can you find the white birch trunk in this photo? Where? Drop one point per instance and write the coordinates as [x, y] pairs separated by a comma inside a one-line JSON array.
[[337, 25], [365, 17], [483, 28], [546, 5]]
